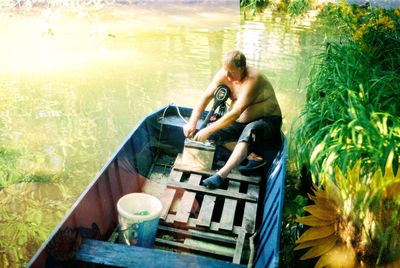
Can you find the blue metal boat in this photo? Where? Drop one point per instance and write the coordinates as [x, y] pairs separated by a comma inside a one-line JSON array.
[[232, 227]]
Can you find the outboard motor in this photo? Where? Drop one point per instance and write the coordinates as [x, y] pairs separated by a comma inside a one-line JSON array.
[[221, 95], [200, 155]]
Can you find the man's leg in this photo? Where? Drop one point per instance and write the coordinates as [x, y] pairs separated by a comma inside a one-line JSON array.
[[252, 156], [230, 145], [265, 134], [238, 155]]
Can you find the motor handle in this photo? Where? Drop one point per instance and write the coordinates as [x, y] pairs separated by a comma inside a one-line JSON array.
[[220, 97]]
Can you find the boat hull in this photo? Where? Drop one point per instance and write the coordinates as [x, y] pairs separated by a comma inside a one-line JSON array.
[[94, 215]]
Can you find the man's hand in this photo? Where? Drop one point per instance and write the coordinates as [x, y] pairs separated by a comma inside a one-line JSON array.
[[202, 135], [189, 129]]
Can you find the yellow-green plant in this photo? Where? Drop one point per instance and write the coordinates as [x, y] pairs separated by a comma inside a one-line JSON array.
[[348, 226], [375, 30]]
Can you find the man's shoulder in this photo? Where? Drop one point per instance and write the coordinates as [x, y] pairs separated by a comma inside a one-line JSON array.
[[220, 76], [254, 74]]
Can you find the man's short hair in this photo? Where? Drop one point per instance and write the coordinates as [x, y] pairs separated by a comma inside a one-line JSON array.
[[235, 57]]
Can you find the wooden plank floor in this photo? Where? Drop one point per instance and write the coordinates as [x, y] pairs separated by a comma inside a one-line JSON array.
[[187, 201], [206, 210], [226, 222], [209, 222]]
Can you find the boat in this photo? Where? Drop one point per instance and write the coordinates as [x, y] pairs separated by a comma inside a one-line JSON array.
[[236, 226]]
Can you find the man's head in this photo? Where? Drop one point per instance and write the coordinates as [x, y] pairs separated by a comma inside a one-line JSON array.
[[234, 65]]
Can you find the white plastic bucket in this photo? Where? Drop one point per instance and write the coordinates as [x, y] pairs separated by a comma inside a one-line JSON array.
[[138, 216]]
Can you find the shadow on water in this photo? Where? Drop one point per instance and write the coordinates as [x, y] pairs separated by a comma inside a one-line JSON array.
[[74, 82]]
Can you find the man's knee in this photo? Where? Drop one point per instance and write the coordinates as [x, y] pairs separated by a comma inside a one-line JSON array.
[[230, 145]]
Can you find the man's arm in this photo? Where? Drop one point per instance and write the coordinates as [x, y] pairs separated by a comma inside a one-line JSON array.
[[190, 128], [245, 99]]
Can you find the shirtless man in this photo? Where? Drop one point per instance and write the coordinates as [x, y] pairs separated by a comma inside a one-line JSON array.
[[254, 117]]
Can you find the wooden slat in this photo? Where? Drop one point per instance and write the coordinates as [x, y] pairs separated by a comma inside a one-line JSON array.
[[239, 247], [185, 206], [250, 210], [194, 179], [228, 211], [166, 200], [217, 192], [120, 255], [178, 166], [200, 234], [192, 223], [188, 198], [193, 247], [166, 195], [206, 210], [175, 175]]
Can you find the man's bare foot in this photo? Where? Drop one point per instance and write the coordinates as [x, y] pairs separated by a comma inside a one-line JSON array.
[[254, 157]]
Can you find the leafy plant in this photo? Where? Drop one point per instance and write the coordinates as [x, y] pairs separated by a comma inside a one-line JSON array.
[[351, 112], [291, 231], [298, 7], [347, 219], [375, 30], [351, 125], [253, 5]]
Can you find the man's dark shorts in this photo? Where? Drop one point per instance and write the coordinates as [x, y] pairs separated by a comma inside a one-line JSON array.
[[266, 132]]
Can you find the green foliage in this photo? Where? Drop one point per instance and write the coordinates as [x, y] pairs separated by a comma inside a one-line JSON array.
[[293, 7], [298, 7], [294, 203], [352, 115], [352, 111], [254, 5], [376, 30]]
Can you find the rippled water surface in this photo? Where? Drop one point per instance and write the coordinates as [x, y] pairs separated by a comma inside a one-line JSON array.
[[74, 82]]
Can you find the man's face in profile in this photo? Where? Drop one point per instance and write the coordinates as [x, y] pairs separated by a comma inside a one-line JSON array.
[[232, 72]]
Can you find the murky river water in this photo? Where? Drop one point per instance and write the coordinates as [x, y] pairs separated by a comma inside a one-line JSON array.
[[74, 82]]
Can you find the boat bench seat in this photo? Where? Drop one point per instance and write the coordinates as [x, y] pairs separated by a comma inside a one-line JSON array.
[[120, 255]]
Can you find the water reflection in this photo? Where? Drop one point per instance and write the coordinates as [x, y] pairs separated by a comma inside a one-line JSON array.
[[73, 83]]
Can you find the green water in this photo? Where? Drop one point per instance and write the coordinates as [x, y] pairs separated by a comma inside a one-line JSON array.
[[74, 82]]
